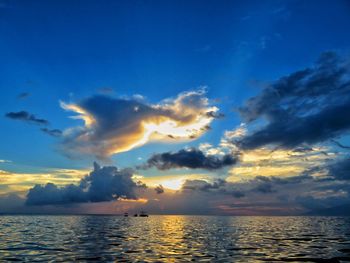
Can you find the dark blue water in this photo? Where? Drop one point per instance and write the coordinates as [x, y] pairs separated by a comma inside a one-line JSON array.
[[174, 239]]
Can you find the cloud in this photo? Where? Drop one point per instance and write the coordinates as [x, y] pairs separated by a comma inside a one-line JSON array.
[[102, 184], [23, 95], [51, 194], [261, 195], [306, 107], [52, 132], [317, 203], [159, 189], [203, 185], [10, 203], [189, 158], [280, 162], [270, 195], [114, 125], [105, 90], [27, 117], [340, 169]]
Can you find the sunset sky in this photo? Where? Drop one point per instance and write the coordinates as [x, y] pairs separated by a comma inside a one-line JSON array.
[[174, 107]]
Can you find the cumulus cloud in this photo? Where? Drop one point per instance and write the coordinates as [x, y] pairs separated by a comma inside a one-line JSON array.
[[102, 184], [306, 107], [190, 158], [27, 117], [114, 125]]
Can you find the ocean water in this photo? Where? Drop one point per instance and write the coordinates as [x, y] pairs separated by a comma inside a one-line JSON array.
[[174, 239]]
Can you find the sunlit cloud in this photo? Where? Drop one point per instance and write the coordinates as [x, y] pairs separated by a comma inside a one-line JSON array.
[[279, 162], [268, 160], [115, 125], [20, 182], [172, 182]]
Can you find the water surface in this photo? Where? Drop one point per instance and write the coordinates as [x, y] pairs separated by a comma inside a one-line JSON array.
[[174, 239]]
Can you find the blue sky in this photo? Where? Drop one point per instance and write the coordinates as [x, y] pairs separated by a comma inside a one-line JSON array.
[[70, 50]]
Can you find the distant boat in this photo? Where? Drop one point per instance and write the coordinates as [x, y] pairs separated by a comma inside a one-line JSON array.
[[136, 215], [126, 214], [143, 214]]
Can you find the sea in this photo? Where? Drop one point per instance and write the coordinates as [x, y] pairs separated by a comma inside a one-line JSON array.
[[97, 238]]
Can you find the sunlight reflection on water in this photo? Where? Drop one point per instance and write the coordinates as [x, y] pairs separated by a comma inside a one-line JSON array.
[[174, 238]]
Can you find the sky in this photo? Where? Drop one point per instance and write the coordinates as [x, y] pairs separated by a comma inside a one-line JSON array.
[[175, 107]]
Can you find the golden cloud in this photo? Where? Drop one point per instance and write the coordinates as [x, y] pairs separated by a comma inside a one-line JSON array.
[[114, 125], [278, 162], [21, 182]]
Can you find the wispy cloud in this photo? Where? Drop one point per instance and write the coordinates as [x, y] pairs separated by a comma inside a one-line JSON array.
[[52, 132], [27, 117], [23, 95]]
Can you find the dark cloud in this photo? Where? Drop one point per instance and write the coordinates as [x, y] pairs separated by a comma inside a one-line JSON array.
[[52, 194], [305, 107], [259, 184], [23, 95], [189, 158], [340, 170], [11, 203], [218, 186], [102, 184], [265, 187], [159, 189], [203, 185], [52, 132], [215, 115], [316, 203], [27, 117]]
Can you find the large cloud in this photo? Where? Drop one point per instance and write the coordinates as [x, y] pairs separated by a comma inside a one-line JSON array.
[[114, 125], [102, 184], [305, 107], [190, 158]]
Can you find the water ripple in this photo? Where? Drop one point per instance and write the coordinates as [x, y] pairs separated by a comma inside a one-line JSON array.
[[174, 239]]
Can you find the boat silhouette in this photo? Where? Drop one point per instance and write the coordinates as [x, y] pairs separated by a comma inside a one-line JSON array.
[[143, 214]]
